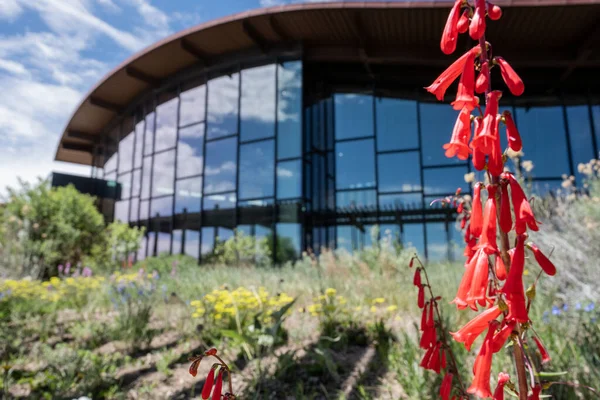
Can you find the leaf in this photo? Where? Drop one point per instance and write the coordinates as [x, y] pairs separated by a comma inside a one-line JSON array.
[[552, 374]]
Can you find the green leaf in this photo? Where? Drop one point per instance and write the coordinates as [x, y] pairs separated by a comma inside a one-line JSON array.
[[552, 374]]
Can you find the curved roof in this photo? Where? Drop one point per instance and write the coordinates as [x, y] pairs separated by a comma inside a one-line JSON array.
[[556, 36]]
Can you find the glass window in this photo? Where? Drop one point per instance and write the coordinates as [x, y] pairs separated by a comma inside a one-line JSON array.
[[208, 241], [162, 206], [289, 104], [139, 145], [163, 243], [289, 179], [149, 134], [394, 201], [396, 124], [144, 210], [257, 163], [111, 164], [258, 103], [220, 174], [189, 151], [221, 201], [580, 132], [122, 211], [166, 125], [544, 141], [223, 106], [445, 180], [353, 116], [176, 235], [126, 153], [134, 209], [414, 236], [356, 198], [399, 172], [191, 245], [192, 106], [136, 183], [355, 164], [345, 238], [437, 122], [164, 173], [141, 254], [146, 174], [151, 241], [188, 195], [596, 117], [125, 182], [437, 241], [544, 188]]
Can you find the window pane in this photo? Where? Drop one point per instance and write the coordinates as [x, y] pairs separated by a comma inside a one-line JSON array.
[[149, 134], [125, 182], [257, 164], [111, 163], [353, 116], [144, 210], [188, 195], [142, 251], [192, 106], [437, 121], [220, 201], [289, 104], [258, 103], [437, 241], [122, 211], [395, 201], [163, 243], [162, 206], [220, 171], [164, 173], [445, 180], [208, 239], [414, 236], [166, 125], [134, 209], [400, 172], [355, 164], [289, 179], [596, 117], [136, 183], [544, 141], [223, 106], [358, 198], [146, 174], [396, 124], [139, 145], [189, 151], [580, 133], [126, 153], [192, 243]]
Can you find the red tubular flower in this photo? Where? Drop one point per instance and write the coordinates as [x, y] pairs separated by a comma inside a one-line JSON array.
[[505, 214], [446, 387], [461, 299], [488, 233], [475, 327], [424, 317], [536, 391], [218, 386], [429, 336], [510, 77], [513, 288], [459, 143], [460, 208], [441, 84], [542, 350], [502, 336], [463, 22], [477, 27], [494, 12], [465, 96], [417, 277], [434, 361], [496, 161], [450, 34], [421, 297], [523, 214], [542, 260], [211, 352], [483, 365], [477, 291], [476, 215], [426, 357], [484, 140], [512, 133], [481, 84], [193, 370], [470, 248], [208, 384], [503, 378], [499, 267]]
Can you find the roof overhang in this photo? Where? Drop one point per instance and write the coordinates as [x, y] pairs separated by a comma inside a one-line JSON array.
[[555, 43]]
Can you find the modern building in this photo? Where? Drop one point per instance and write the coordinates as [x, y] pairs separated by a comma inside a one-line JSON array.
[[309, 122]]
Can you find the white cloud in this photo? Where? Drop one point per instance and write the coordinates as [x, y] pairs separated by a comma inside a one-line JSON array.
[[10, 9], [108, 5], [13, 67], [271, 3]]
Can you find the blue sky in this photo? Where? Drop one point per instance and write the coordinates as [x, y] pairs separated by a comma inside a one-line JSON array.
[[53, 51]]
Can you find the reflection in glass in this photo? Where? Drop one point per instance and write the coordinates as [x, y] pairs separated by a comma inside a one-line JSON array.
[[355, 164], [289, 179], [192, 106], [149, 134], [221, 201], [162, 207], [125, 182], [399, 172], [146, 174], [136, 183], [111, 163], [437, 121], [596, 118], [397, 127], [122, 211], [126, 153], [139, 145], [414, 236], [188, 195], [164, 173], [223, 106], [356, 198], [144, 210], [208, 241], [543, 134], [437, 241], [288, 242], [395, 201], [141, 254], [134, 209], [257, 163], [258, 103], [580, 133], [166, 125], [445, 180], [289, 104], [189, 151], [191, 245], [220, 174], [151, 242], [163, 243], [353, 116]]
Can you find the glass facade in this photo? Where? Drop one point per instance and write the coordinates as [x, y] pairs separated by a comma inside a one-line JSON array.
[[245, 149]]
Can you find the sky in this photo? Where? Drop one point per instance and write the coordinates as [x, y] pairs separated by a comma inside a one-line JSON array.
[[53, 51]]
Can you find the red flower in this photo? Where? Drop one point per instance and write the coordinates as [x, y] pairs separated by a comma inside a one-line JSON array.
[[535, 395], [483, 365], [477, 27], [441, 84], [484, 140], [211, 352], [411, 263], [429, 336], [476, 215], [470, 248], [417, 277], [465, 97], [463, 22], [446, 387], [218, 386], [512, 80], [502, 336], [505, 214], [462, 295], [208, 383], [496, 162], [479, 282], [193, 370], [523, 214], [459, 143], [499, 267], [542, 350], [434, 363], [513, 288], [542, 260], [424, 317], [512, 133], [503, 378], [488, 234], [468, 333], [494, 12], [478, 156], [421, 297], [450, 34], [426, 357], [482, 82]]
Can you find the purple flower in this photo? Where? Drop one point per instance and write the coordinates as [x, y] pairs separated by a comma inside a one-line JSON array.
[[60, 269], [87, 272], [590, 307], [556, 310], [68, 268]]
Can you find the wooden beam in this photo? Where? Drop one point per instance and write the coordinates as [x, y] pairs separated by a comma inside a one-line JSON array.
[[279, 30], [142, 76], [187, 46], [255, 36], [88, 137], [107, 105], [85, 148], [584, 51]]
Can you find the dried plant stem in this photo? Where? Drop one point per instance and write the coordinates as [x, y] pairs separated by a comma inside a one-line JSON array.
[[224, 365]]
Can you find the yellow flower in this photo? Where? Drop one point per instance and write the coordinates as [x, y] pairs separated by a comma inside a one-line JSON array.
[[330, 292], [378, 300], [373, 309], [526, 272], [392, 308], [358, 308]]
